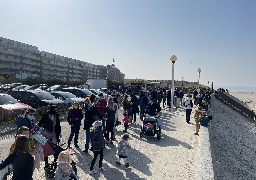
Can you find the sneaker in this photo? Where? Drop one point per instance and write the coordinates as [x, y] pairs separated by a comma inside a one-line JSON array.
[[196, 133], [114, 138], [127, 165], [86, 151], [92, 172], [111, 142], [102, 169], [118, 163], [106, 144]]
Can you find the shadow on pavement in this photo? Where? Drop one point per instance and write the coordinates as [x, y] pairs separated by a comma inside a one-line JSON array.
[[166, 141], [10, 135]]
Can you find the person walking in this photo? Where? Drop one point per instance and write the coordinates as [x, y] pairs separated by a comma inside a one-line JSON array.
[[164, 99], [110, 115], [158, 96], [188, 105], [101, 105], [168, 95], [181, 95], [74, 118], [198, 114], [90, 112], [122, 147], [98, 146], [134, 106]]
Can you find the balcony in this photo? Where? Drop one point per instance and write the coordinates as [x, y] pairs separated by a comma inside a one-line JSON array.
[[4, 66], [16, 67], [6, 59]]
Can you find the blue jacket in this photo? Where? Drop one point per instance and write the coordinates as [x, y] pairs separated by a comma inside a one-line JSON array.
[[23, 121], [204, 121], [71, 118]]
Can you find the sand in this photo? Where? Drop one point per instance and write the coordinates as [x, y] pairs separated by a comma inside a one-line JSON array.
[[248, 98]]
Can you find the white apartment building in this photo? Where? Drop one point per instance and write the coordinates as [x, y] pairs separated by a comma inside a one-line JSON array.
[[21, 60]]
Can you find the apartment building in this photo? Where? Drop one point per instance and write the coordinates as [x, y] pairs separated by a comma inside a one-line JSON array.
[[114, 73], [21, 60]]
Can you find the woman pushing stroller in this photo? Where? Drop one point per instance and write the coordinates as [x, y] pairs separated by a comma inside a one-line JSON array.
[[52, 130]]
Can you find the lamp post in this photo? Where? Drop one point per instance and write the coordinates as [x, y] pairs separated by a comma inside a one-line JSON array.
[[173, 59], [182, 83], [199, 70]]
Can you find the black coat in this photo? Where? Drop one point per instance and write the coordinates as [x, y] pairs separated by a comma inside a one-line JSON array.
[[98, 139], [23, 167], [90, 112], [152, 109], [135, 104], [23, 121], [71, 118], [110, 114], [47, 124]]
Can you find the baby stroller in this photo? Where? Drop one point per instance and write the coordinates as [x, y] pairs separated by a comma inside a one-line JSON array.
[[151, 126], [55, 149]]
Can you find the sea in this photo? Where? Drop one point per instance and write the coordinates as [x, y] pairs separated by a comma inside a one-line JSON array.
[[238, 89]]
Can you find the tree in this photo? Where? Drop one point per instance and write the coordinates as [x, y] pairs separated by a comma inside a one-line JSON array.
[[11, 80], [33, 80]]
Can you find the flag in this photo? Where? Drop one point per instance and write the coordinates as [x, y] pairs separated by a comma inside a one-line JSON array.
[[113, 60]]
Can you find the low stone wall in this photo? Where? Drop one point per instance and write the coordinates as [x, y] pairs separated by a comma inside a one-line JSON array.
[[205, 166]]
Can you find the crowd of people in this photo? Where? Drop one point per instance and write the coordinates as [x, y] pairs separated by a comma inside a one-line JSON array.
[[99, 119]]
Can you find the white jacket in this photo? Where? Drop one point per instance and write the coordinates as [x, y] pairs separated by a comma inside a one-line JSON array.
[[188, 102]]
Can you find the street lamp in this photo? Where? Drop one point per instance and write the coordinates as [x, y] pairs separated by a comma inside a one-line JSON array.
[[182, 83], [199, 70], [173, 59]]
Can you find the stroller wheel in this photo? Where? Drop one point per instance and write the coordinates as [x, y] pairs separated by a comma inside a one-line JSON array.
[[50, 174]]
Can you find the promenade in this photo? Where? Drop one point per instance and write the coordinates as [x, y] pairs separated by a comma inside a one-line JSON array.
[[175, 156]]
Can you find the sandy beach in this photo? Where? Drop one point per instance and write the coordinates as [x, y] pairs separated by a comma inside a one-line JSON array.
[[248, 98]]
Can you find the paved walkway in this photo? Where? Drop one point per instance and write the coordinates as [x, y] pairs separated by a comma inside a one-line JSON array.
[[172, 157]]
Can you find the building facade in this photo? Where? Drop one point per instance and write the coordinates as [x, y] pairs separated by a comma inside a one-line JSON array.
[[21, 60]]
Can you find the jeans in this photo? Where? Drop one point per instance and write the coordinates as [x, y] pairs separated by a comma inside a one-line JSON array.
[[89, 138], [107, 134], [188, 112], [74, 130], [96, 153]]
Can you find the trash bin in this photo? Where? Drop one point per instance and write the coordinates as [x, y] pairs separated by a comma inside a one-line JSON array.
[[176, 102]]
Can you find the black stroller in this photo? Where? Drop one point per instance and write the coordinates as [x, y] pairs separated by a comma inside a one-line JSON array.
[[51, 168], [151, 126]]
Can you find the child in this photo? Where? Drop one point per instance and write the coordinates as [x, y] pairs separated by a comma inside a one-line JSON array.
[[98, 145], [23, 130], [204, 120], [64, 170], [126, 121], [121, 150], [197, 115]]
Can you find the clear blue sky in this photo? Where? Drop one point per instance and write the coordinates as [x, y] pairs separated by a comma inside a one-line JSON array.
[[218, 36]]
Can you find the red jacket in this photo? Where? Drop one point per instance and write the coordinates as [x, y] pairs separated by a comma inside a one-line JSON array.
[[101, 105]]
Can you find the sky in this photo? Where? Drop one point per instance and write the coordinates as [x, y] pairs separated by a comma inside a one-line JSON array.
[[141, 35]]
